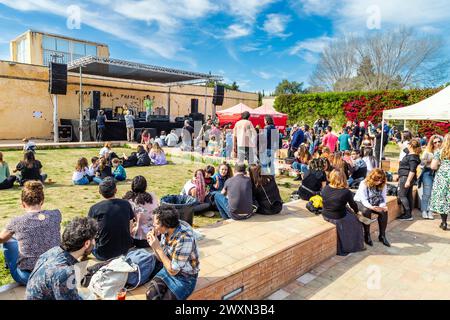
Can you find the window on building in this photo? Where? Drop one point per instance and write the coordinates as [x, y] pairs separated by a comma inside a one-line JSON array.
[[70, 50], [21, 53]]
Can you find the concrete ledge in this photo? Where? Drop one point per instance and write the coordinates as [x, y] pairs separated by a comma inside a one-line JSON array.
[[62, 145]]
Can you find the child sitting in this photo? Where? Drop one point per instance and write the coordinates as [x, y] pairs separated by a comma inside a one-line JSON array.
[[80, 176], [209, 173], [119, 172], [93, 168], [213, 146], [157, 155], [103, 171], [29, 145]]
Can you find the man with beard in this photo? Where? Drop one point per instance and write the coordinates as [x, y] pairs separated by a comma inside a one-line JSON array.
[[53, 277]]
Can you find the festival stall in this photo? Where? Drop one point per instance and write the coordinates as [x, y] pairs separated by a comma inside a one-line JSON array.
[[232, 115], [279, 119]]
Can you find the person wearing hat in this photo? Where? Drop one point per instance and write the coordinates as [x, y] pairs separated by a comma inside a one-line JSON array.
[[129, 122]]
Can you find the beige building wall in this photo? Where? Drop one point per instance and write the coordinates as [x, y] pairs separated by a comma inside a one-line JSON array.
[[26, 107]]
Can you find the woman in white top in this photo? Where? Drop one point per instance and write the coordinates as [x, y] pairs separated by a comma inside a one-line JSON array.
[[406, 138], [106, 150], [370, 160], [371, 198], [81, 173]]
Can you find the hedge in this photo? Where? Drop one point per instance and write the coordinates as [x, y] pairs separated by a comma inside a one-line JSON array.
[[340, 107]]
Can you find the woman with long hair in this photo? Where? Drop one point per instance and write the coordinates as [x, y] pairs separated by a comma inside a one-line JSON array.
[[143, 204], [337, 163], [407, 172], [440, 193], [157, 155], [427, 175], [371, 198], [266, 194], [314, 181], [302, 158], [6, 179], [369, 159], [30, 169], [335, 197]]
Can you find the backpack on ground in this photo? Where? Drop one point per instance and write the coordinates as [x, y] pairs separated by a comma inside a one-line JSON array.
[[145, 263]]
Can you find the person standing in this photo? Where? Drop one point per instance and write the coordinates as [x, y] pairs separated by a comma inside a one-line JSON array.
[[54, 277], [344, 141], [297, 139], [129, 122], [330, 140], [427, 175], [101, 125], [355, 135], [204, 134], [407, 173], [271, 138], [148, 105], [244, 138], [371, 198], [188, 136], [440, 194], [115, 221], [406, 138], [379, 145]]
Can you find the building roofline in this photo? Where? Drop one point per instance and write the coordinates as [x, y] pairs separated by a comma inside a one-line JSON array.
[[59, 36]]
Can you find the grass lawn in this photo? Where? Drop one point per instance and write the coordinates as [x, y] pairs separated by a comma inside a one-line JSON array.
[[75, 201]]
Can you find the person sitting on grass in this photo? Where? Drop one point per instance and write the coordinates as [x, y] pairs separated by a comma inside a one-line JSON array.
[[93, 168], [115, 221], [177, 255], [30, 169], [6, 179], [103, 171], [219, 178], [34, 233], [29, 145], [106, 150], [172, 139], [235, 201], [162, 138], [157, 155], [266, 194], [119, 172], [81, 173], [53, 277], [209, 174], [143, 204], [145, 137]]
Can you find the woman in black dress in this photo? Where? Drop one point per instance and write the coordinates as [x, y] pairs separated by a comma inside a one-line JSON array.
[[336, 196]]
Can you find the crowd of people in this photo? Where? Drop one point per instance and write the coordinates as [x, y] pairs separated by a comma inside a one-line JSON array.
[[326, 164]]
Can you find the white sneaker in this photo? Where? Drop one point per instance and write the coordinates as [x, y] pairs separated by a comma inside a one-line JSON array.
[[430, 215], [425, 214]]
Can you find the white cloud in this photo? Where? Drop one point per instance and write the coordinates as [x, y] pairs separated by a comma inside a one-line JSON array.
[[313, 45], [237, 31], [276, 24], [263, 75], [313, 7], [248, 9]]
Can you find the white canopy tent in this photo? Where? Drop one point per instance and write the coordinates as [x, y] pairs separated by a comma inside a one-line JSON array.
[[435, 108]]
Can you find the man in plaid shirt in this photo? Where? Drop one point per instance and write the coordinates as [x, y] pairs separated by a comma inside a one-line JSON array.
[[177, 253]]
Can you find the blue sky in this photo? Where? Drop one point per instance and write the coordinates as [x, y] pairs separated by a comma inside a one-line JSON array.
[[256, 43]]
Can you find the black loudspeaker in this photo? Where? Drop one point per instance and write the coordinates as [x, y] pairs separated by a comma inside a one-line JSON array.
[[96, 100], [194, 105], [65, 133], [197, 117], [219, 93], [108, 113], [57, 78]]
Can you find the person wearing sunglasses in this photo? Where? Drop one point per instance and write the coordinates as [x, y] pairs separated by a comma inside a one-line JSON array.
[[440, 194], [427, 176]]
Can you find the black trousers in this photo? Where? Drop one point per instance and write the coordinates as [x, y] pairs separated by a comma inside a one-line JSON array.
[[382, 219], [8, 183], [405, 195]]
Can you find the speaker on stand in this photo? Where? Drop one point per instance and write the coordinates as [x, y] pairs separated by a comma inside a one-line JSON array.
[[57, 83], [219, 94]]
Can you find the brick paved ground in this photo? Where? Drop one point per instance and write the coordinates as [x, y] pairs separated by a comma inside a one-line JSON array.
[[415, 267]]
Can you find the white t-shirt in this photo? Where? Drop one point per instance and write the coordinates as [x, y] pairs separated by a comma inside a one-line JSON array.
[[187, 187], [245, 133], [78, 175], [104, 151], [403, 146]]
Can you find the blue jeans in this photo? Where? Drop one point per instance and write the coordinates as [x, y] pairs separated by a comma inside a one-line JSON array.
[[222, 204], [83, 181], [11, 252], [268, 162], [300, 167], [427, 184], [97, 180], [120, 178]]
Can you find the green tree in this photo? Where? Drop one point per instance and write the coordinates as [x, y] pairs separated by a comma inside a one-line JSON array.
[[289, 87], [232, 86]]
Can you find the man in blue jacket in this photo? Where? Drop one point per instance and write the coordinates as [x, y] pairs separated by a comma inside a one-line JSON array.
[[297, 140]]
